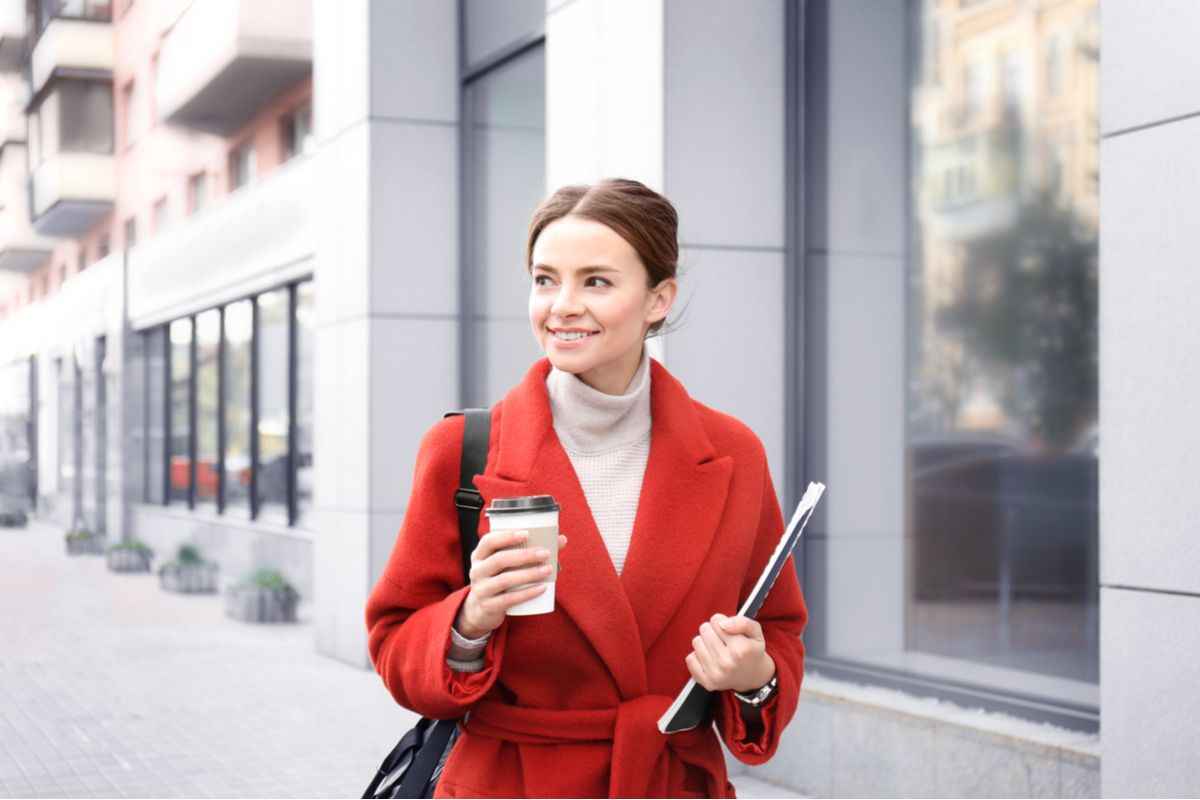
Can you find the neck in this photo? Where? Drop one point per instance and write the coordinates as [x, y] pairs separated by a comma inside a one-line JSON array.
[[614, 378]]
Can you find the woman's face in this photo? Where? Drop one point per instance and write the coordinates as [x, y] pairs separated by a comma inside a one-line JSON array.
[[589, 305]]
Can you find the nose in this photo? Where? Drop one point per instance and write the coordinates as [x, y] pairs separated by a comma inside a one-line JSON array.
[[566, 303]]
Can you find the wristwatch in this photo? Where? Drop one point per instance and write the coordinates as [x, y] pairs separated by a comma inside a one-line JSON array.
[[756, 699]]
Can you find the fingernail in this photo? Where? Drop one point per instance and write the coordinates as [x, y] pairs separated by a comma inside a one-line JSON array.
[[522, 535], [543, 553], [545, 569]]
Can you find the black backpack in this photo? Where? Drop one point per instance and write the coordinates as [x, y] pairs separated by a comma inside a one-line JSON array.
[[413, 767]]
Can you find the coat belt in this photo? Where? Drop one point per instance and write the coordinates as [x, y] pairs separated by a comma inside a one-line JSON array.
[[638, 766]]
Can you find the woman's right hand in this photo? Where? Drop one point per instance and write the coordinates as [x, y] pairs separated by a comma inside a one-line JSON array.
[[496, 569]]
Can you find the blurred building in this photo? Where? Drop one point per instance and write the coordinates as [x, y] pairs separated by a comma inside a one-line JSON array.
[[250, 250]]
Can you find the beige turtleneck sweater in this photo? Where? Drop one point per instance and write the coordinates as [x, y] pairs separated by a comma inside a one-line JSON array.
[[607, 439]]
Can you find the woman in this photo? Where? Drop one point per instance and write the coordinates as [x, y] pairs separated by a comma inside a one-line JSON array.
[[671, 516]]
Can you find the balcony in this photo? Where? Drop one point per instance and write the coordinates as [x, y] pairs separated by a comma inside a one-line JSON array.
[[256, 238], [21, 248], [12, 34], [223, 60], [74, 46], [72, 191]]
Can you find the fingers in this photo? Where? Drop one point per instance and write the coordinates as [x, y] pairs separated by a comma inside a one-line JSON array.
[[735, 626], [499, 540]]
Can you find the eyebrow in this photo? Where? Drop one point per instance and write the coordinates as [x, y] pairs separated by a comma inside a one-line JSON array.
[[582, 270]]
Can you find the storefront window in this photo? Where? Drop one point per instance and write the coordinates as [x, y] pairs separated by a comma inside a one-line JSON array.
[[273, 364], [239, 326], [506, 169], [951, 350], [208, 341], [156, 411], [304, 400], [180, 454]]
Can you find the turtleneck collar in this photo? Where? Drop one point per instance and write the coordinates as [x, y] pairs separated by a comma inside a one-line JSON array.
[[590, 421]]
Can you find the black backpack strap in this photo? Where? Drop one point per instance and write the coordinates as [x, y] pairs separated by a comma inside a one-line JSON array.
[[476, 433]]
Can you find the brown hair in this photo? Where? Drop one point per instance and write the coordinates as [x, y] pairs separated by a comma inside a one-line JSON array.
[[640, 215]]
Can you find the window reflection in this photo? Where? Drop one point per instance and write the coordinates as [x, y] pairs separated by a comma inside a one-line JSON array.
[[1002, 433], [180, 420], [304, 399], [272, 347], [156, 409], [239, 325], [208, 341]]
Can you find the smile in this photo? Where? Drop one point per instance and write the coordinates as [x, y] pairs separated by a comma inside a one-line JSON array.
[[572, 336]]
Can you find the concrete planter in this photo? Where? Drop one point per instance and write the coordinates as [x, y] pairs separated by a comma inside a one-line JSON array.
[[13, 519], [129, 559], [189, 578], [255, 604], [79, 545]]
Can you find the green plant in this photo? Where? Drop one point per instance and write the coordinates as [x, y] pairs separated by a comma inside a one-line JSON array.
[[79, 535], [270, 579], [130, 545], [189, 554]]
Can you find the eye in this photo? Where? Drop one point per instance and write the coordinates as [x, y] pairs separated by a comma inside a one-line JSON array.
[[541, 280], [595, 280]]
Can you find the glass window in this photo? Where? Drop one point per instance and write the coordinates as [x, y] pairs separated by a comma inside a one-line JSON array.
[[952, 354], [156, 413], [208, 342], [181, 417], [129, 98], [271, 344], [506, 155], [304, 400], [85, 113], [243, 166], [160, 215], [197, 192], [297, 133], [15, 449], [130, 232], [102, 248], [239, 327]]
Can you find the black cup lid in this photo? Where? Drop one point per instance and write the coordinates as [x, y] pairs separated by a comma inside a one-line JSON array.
[[522, 505]]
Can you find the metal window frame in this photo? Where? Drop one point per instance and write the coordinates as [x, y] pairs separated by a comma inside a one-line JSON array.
[[292, 380], [192, 471], [32, 433], [802, 60], [167, 425], [254, 378], [101, 435], [221, 411]]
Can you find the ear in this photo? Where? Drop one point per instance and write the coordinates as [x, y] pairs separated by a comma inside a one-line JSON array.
[[662, 298]]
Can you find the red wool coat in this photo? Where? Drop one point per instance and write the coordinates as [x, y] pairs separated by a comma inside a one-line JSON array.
[[568, 702]]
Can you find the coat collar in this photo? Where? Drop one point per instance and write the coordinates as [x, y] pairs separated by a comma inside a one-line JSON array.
[[682, 498]]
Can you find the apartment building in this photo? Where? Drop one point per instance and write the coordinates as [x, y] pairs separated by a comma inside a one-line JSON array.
[[251, 250]]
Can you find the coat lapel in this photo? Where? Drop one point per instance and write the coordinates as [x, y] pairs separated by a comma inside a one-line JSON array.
[[682, 500], [530, 460]]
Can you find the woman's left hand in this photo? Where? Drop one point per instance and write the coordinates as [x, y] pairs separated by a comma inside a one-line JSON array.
[[730, 653]]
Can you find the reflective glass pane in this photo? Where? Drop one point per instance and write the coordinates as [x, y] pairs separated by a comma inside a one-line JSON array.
[[507, 154], [1002, 397], [208, 342], [180, 404], [272, 347], [15, 451], [156, 409], [304, 400], [239, 325]]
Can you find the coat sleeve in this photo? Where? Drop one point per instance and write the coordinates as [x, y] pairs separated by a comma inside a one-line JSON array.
[[782, 616], [414, 603]]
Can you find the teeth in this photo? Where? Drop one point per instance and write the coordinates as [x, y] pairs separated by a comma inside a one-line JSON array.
[[569, 337]]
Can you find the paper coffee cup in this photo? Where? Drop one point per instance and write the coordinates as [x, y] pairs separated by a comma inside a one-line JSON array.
[[537, 514]]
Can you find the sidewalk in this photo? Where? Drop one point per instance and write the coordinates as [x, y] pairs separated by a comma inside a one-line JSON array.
[[110, 687]]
